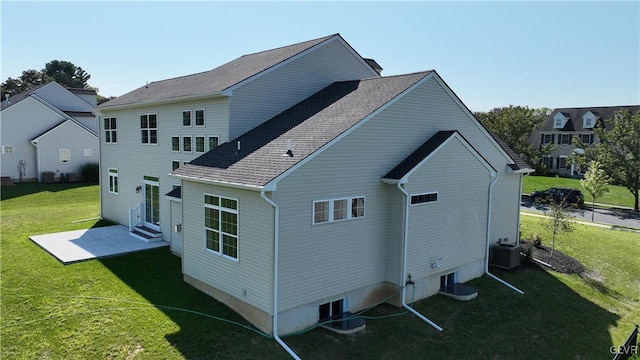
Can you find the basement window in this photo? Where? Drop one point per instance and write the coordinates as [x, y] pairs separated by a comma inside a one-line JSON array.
[[329, 310], [448, 280]]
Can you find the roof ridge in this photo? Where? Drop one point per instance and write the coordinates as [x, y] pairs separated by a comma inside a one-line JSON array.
[[324, 38]]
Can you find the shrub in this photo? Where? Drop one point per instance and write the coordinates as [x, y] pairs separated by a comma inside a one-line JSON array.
[[89, 172]]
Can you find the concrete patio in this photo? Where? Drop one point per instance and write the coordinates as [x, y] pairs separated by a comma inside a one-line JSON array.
[[81, 245]]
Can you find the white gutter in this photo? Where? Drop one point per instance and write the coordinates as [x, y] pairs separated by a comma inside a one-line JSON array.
[[276, 241], [486, 263], [405, 236]]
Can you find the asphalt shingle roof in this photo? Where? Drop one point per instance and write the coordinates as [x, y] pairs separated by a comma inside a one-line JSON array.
[[575, 116], [404, 167], [309, 125], [216, 80]]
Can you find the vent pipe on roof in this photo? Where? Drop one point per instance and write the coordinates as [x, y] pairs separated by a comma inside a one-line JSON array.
[[289, 150], [238, 146], [6, 96]]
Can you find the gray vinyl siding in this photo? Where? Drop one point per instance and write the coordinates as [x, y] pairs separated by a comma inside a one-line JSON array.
[[21, 123], [135, 160], [259, 100], [61, 98], [505, 208], [454, 226], [395, 229], [353, 253], [68, 136], [253, 271]]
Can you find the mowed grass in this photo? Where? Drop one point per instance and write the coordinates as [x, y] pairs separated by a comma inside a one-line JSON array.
[[137, 306], [617, 195]]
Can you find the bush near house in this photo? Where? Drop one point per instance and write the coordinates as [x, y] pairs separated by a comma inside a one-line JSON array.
[[138, 306], [90, 172]]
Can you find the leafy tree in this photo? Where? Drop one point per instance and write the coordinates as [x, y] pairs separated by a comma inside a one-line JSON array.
[[596, 182], [514, 125], [558, 221], [63, 72], [618, 151], [66, 74]]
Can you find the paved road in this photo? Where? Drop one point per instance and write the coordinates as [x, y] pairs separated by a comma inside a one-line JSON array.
[[616, 217]]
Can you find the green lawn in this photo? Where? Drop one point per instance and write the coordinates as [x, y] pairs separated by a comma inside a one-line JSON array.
[[617, 195], [137, 306]]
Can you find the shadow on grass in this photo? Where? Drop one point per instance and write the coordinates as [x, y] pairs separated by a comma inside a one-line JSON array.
[[550, 321], [22, 189], [156, 275]]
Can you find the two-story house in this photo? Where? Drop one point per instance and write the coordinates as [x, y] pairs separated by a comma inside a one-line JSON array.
[[563, 124], [49, 129], [298, 183]]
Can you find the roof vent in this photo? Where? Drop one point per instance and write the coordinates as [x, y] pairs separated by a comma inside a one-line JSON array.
[[374, 64], [289, 152], [6, 96]]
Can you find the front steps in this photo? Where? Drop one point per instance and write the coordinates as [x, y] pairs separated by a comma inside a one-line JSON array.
[[146, 234]]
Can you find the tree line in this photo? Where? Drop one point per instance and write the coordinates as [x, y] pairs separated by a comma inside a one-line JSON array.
[[63, 72]]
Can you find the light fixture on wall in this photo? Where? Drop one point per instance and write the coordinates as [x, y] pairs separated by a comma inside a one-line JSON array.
[[138, 189]]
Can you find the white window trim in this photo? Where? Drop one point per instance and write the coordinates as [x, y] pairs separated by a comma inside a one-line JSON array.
[[7, 150], [175, 161], [179, 143], [560, 141], [331, 209], [565, 162], [424, 193], [182, 143], [220, 208], [157, 128], [209, 148], [190, 118], [204, 118], [110, 130], [113, 175], [544, 139], [194, 146]]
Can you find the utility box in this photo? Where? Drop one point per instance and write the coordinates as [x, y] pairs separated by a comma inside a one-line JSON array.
[[72, 177], [505, 256], [47, 177]]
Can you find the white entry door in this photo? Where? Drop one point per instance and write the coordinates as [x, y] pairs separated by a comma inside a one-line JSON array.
[[151, 202]]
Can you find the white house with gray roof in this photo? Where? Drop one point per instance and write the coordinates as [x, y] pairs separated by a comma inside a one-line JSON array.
[[298, 183], [48, 129]]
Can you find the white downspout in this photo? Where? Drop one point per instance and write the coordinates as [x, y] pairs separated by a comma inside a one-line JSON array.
[[276, 236], [38, 175], [486, 263], [405, 237]]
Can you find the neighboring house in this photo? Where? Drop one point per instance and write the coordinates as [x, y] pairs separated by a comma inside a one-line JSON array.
[[563, 124], [298, 183], [48, 129]]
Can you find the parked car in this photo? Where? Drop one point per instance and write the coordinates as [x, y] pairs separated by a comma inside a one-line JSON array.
[[565, 196]]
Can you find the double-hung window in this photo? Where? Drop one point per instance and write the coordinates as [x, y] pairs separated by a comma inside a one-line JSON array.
[[221, 225], [175, 143], [200, 144], [186, 118], [110, 135], [565, 139], [113, 181], [149, 128], [338, 209], [200, 117], [186, 144], [213, 142]]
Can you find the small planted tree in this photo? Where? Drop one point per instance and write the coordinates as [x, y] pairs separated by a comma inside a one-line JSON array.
[[596, 182], [558, 222]]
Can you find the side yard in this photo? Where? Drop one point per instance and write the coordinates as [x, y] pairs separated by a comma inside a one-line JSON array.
[[617, 195], [137, 306]]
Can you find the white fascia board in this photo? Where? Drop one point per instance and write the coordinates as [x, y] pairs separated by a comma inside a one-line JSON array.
[[219, 183], [473, 118], [59, 125], [100, 110], [456, 135], [273, 183]]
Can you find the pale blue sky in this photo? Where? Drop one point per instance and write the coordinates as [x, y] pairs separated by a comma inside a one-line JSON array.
[[492, 54]]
